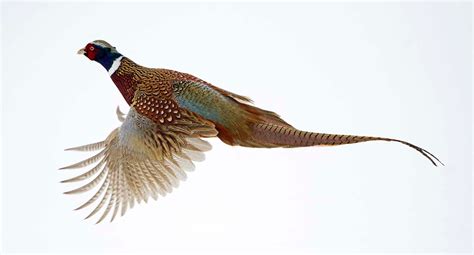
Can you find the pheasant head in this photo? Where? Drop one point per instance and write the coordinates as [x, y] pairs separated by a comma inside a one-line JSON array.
[[101, 52]]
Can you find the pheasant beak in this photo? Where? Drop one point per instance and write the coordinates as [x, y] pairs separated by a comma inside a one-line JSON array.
[[81, 51]]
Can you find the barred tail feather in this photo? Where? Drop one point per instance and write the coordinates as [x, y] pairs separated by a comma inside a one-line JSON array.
[[269, 135]]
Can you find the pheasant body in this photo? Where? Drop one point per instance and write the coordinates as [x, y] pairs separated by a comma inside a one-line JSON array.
[[161, 135]]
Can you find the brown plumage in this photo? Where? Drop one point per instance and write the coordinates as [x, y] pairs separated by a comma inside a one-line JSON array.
[[170, 112]]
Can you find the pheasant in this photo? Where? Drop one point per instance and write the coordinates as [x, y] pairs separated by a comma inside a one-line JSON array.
[[162, 134]]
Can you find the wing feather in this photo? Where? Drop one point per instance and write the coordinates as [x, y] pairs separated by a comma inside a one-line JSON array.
[[85, 162], [87, 174], [119, 193], [89, 185], [110, 198], [89, 147], [139, 160], [99, 192], [103, 200]]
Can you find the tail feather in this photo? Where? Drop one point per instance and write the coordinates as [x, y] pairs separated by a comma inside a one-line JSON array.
[[246, 125], [269, 135]]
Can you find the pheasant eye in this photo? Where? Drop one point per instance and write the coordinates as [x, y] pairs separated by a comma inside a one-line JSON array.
[[91, 48]]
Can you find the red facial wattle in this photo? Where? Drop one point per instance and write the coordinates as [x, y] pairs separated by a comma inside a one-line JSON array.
[[91, 51]]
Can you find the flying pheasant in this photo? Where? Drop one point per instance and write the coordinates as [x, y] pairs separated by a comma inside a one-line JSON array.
[[160, 137]]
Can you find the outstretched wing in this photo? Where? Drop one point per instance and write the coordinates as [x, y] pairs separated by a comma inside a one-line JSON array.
[[141, 159]]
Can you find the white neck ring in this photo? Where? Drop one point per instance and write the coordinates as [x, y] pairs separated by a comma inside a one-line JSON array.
[[115, 65]]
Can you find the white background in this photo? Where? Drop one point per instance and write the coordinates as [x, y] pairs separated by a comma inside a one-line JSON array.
[[395, 70]]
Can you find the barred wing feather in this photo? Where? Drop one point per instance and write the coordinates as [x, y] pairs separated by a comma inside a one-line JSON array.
[[138, 160]]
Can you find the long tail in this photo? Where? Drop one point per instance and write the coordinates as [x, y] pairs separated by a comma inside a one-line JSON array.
[[251, 126], [271, 135]]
